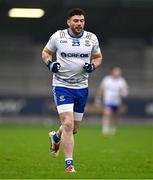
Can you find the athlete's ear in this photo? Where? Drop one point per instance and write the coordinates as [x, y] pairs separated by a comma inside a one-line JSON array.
[[68, 22]]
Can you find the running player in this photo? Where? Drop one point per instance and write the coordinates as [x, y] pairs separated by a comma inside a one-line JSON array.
[[112, 88], [77, 54]]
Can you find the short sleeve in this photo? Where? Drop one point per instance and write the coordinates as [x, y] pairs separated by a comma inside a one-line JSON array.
[[123, 82], [96, 48], [51, 45]]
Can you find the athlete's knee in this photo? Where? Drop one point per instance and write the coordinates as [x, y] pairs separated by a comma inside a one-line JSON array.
[[107, 112], [67, 121], [67, 125]]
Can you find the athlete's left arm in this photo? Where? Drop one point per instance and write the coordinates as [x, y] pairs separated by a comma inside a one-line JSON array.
[[124, 91], [96, 59]]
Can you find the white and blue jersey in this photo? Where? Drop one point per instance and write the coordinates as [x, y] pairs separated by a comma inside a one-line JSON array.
[[113, 90], [72, 53], [70, 84]]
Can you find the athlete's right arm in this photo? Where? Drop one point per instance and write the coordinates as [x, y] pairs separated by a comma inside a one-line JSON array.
[[48, 52], [47, 55], [49, 49]]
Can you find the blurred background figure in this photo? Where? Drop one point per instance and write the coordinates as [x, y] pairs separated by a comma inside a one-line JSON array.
[[112, 89]]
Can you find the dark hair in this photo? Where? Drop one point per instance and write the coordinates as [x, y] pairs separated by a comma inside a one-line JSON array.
[[75, 11]]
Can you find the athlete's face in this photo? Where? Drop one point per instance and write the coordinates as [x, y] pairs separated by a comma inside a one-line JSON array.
[[116, 72], [76, 23]]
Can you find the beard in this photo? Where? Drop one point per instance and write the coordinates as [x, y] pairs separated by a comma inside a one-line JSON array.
[[77, 30]]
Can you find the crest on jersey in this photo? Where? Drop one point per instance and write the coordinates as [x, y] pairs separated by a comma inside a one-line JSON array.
[[62, 34], [62, 98], [75, 42], [87, 42]]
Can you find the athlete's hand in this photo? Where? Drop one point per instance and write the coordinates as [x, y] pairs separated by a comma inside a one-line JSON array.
[[89, 67], [53, 66]]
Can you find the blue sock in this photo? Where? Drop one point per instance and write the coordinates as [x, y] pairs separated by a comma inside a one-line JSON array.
[[69, 162], [56, 138]]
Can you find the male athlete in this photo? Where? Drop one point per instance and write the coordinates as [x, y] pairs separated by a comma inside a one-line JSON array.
[[112, 88], [77, 54]]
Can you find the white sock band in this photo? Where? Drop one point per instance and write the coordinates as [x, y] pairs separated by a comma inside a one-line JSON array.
[[78, 116], [67, 159]]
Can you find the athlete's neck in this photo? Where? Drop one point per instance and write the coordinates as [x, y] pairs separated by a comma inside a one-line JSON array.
[[71, 33]]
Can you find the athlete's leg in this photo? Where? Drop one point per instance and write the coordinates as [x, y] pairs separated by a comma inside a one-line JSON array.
[[67, 122], [76, 127], [77, 120], [114, 121], [68, 128], [67, 139], [59, 131], [77, 117], [106, 120]]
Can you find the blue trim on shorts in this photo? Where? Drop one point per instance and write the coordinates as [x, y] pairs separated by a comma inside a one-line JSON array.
[[114, 108], [64, 95]]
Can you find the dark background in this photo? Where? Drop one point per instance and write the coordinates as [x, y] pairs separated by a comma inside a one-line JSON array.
[[125, 32], [107, 18]]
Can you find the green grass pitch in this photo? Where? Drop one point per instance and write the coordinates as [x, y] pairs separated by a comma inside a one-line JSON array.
[[24, 153]]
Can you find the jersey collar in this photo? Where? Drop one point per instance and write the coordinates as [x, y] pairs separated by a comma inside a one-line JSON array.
[[70, 32]]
